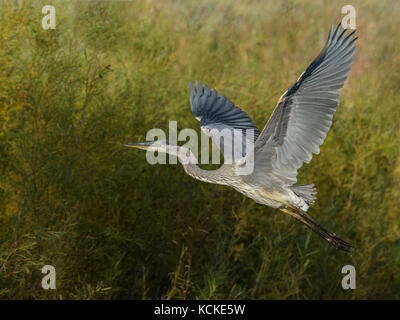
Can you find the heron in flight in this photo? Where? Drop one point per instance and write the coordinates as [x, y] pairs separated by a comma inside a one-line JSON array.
[[296, 129]]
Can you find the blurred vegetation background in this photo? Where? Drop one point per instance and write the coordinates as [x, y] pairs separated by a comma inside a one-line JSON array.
[[116, 227]]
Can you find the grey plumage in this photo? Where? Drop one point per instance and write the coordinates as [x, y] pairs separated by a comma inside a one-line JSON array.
[[295, 131], [303, 116], [218, 113]]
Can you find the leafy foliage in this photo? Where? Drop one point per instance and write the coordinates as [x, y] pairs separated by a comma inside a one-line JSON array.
[[115, 226]]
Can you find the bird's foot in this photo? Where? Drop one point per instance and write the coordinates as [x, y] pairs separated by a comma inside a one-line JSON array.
[[338, 242]]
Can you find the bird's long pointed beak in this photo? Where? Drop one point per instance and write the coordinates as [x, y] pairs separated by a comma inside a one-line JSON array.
[[139, 145]]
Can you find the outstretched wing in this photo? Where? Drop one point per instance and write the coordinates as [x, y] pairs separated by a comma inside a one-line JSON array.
[[229, 127], [303, 115]]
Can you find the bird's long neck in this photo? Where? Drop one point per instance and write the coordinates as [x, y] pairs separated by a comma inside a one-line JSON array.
[[212, 176], [192, 168]]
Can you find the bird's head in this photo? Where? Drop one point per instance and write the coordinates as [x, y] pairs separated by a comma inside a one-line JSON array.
[[164, 146], [158, 145]]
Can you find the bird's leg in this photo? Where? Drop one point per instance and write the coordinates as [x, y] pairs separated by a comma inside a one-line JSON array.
[[327, 236], [315, 223], [302, 220]]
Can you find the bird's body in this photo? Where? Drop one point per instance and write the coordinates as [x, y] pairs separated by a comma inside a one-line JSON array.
[[295, 130], [264, 195]]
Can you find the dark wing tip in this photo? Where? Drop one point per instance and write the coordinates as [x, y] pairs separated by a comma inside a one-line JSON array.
[[337, 29], [350, 35], [198, 86], [330, 33], [191, 88]]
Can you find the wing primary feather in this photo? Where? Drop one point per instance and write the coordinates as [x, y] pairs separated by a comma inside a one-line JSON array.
[[303, 116], [217, 112]]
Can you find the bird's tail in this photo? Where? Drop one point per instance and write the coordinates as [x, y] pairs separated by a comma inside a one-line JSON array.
[[305, 191]]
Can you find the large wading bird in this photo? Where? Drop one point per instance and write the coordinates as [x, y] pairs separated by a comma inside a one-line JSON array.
[[295, 130]]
